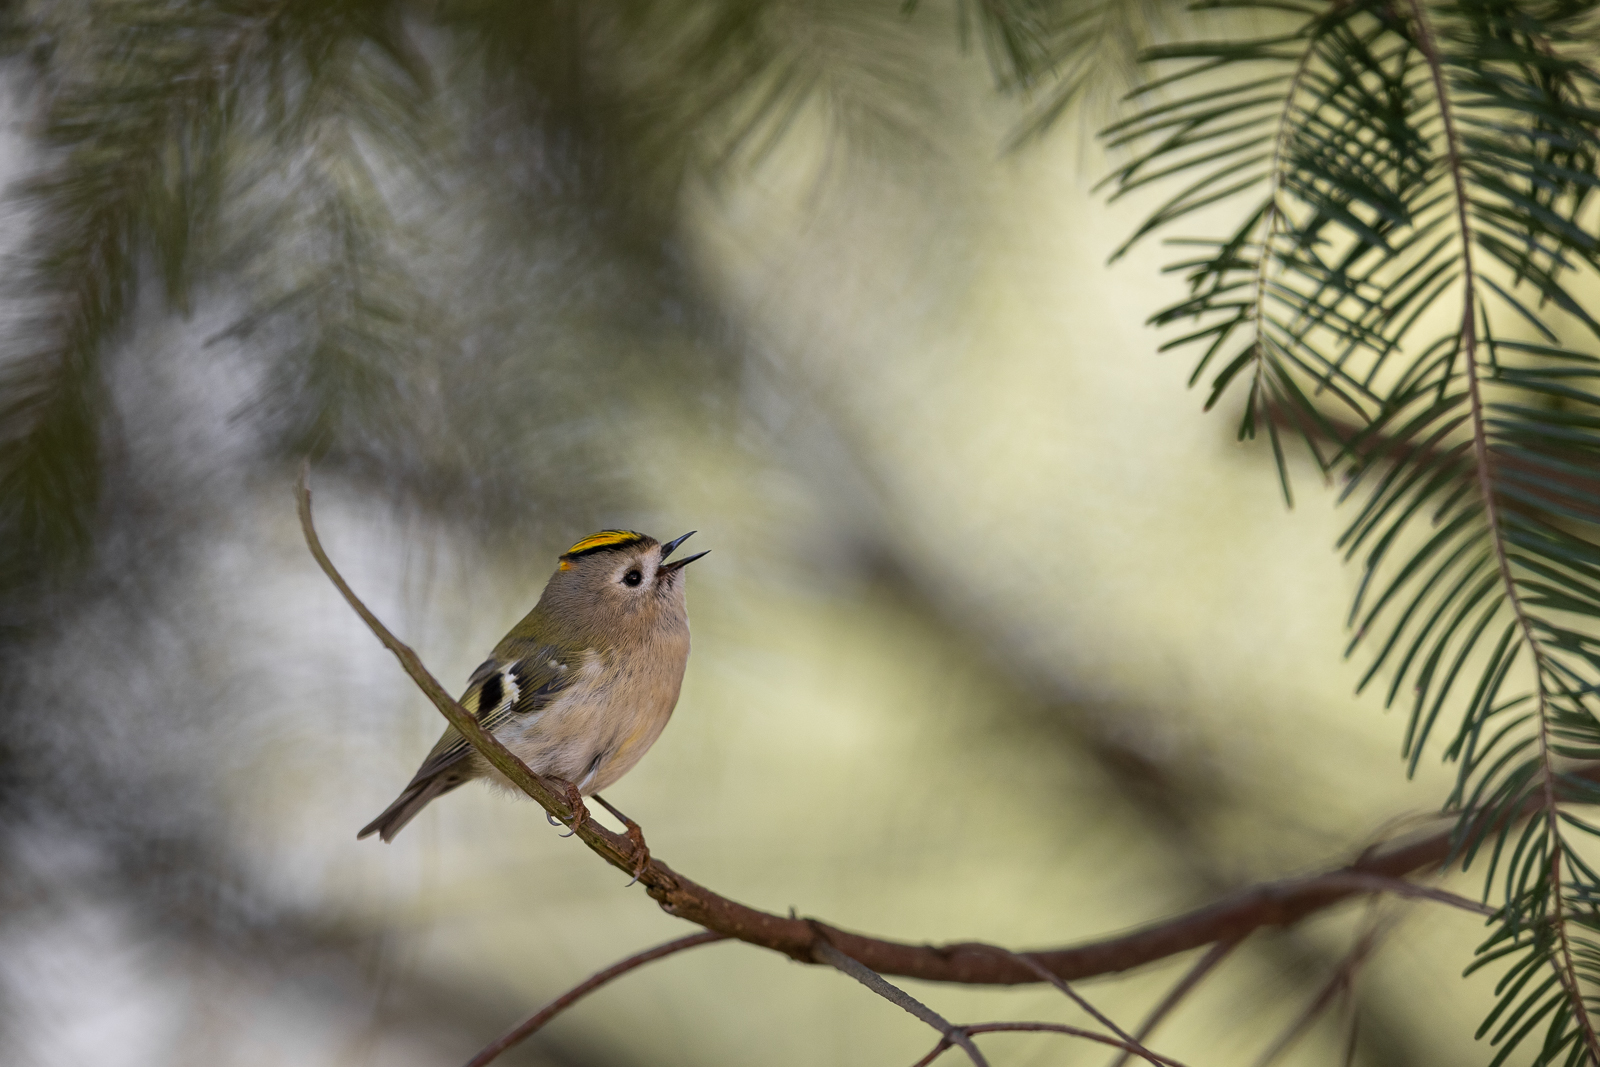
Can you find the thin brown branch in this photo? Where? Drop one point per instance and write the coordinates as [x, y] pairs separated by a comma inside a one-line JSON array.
[[1379, 883], [1078, 999], [1215, 955], [1338, 983], [1041, 1028], [1279, 903], [949, 1033], [536, 1021], [1352, 1037]]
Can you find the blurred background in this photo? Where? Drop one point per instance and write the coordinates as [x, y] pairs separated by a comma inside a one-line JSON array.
[[999, 639]]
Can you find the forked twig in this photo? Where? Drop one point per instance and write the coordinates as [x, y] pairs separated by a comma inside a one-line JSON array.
[[1338, 983], [1352, 1029], [949, 1033], [1061, 984], [1215, 955], [1379, 883], [536, 1021], [1043, 1028], [952, 1035]]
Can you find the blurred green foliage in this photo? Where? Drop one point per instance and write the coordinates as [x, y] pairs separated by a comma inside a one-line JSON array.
[[454, 251]]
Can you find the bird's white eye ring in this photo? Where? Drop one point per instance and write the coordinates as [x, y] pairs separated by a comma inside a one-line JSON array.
[[633, 577]]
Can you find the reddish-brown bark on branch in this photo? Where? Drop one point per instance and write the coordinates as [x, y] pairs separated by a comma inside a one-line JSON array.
[[1280, 903], [1274, 904]]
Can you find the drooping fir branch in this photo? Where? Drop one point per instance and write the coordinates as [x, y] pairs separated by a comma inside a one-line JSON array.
[[1565, 967], [151, 104], [144, 107], [318, 246], [1267, 385], [1420, 153], [117, 121]]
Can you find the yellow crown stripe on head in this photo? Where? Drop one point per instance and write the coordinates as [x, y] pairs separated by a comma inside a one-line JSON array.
[[603, 539]]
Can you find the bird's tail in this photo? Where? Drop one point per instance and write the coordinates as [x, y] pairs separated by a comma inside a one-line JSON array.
[[413, 799]]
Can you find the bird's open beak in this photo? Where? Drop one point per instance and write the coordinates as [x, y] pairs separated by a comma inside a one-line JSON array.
[[671, 546]]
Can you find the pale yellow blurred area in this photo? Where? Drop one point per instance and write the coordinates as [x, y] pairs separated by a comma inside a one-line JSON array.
[[943, 370], [958, 374]]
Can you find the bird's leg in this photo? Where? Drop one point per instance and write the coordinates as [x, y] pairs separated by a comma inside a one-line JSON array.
[[635, 834], [580, 813]]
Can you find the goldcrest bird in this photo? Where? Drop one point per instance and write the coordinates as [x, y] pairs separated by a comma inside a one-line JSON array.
[[579, 689]]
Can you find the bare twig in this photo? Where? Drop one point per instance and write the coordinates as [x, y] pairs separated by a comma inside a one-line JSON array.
[[1352, 1028], [536, 1021], [1380, 883], [948, 1032], [1043, 1028], [1061, 984], [1338, 983], [1280, 903], [1215, 955]]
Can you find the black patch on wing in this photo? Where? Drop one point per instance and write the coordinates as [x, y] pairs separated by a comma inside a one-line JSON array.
[[483, 670], [538, 683], [489, 696]]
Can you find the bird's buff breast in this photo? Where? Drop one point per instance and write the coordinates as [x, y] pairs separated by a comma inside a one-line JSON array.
[[604, 722]]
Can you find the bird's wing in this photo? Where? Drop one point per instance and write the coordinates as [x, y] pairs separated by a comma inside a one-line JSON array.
[[502, 689]]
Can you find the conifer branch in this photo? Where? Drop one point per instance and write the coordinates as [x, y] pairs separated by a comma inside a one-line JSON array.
[[1468, 344], [1426, 162], [94, 220]]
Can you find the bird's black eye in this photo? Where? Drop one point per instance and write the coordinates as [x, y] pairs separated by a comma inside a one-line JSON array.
[[632, 578]]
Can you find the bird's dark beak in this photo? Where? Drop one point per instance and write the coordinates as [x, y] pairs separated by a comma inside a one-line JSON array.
[[678, 565], [672, 546], [668, 548]]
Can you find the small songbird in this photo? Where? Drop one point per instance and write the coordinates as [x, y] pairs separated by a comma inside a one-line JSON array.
[[579, 689]]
